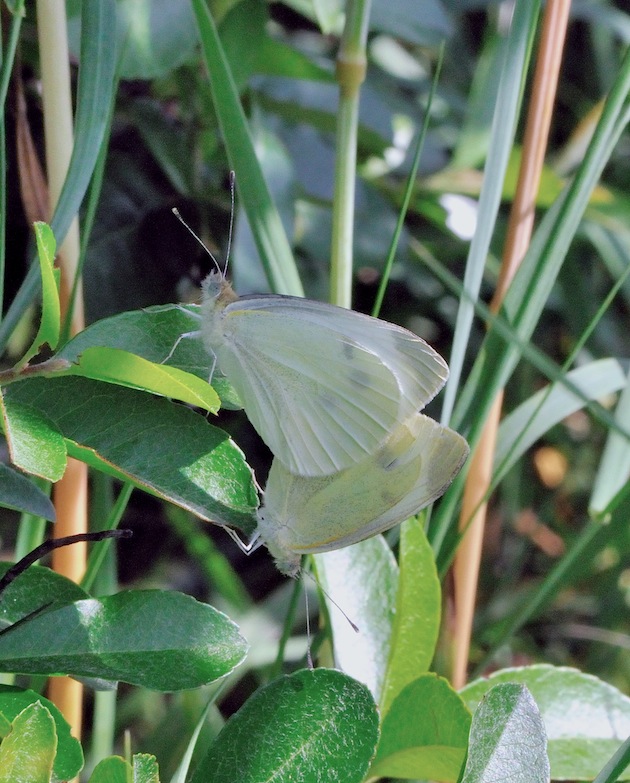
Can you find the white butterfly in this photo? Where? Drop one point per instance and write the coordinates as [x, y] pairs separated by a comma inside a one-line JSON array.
[[323, 386], [303, 515]]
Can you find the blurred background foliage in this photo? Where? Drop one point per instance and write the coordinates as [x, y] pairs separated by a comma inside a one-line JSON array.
[[165, 150]]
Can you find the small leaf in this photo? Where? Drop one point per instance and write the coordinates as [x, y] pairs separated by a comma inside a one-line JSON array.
[[35, 443], [115, 366], [50, 323], [424, 734], [69, 756], [417, 616], [145, 769], [314, 725], [586, 720], [111, 770], [164, 641], [507, 739], [28, 751], [19, 493]]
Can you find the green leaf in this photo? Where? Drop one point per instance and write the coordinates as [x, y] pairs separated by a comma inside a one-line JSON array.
[[154, 37], [586, 720], [424, 734], [363, 580], [19, 493], [152, 334], [145, 769], [34, 588], [161, 640], [28, 752], [111, 770], [166, 449], [521, 428], [314, 725], [35, 443], [507, 739], [69, 756], [50, 323], [115, 366], [614, 468], [417, 616]]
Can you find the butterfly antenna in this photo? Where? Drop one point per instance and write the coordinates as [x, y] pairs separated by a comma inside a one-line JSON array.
[[177, 214], [229, 245], [354, 626]]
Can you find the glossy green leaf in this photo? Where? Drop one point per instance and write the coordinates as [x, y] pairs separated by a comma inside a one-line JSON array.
[[32, 589], [165, 448], [115, 366], [425, 732], [418, 611], [50, 321], [507, 739], [161, 640], [362, 580], [69, 756], [154, 334], [586, 720], [314, 725], [19, 493], [28, 752], [35, 443]]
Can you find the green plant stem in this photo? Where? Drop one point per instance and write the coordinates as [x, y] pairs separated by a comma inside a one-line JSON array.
[[411, 181], [99, 550], [351, 68]]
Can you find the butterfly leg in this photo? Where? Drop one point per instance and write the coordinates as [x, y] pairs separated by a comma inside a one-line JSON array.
[[249, 547]]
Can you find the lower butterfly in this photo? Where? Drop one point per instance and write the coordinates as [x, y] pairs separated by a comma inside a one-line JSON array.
[[324, 386], [305, 515]]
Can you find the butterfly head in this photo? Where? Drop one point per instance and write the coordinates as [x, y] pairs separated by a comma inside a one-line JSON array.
[[215, 288]]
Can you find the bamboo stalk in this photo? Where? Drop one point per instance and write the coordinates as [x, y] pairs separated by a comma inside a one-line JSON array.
[[520, 226], [70, 494]]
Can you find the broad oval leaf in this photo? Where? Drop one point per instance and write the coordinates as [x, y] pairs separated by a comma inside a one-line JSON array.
[[161, 640], [586, 720], [507, 739], [424, 733], [165, 448], [363, 580], [314, 725]]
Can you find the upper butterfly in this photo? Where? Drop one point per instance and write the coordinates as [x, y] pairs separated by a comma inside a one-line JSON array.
[[323, 386]]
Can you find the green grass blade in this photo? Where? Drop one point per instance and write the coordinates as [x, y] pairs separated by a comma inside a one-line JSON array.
[[94, 97], [270, 237], [501, 143]]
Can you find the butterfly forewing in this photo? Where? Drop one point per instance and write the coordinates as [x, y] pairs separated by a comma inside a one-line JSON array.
[[323, 386]]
